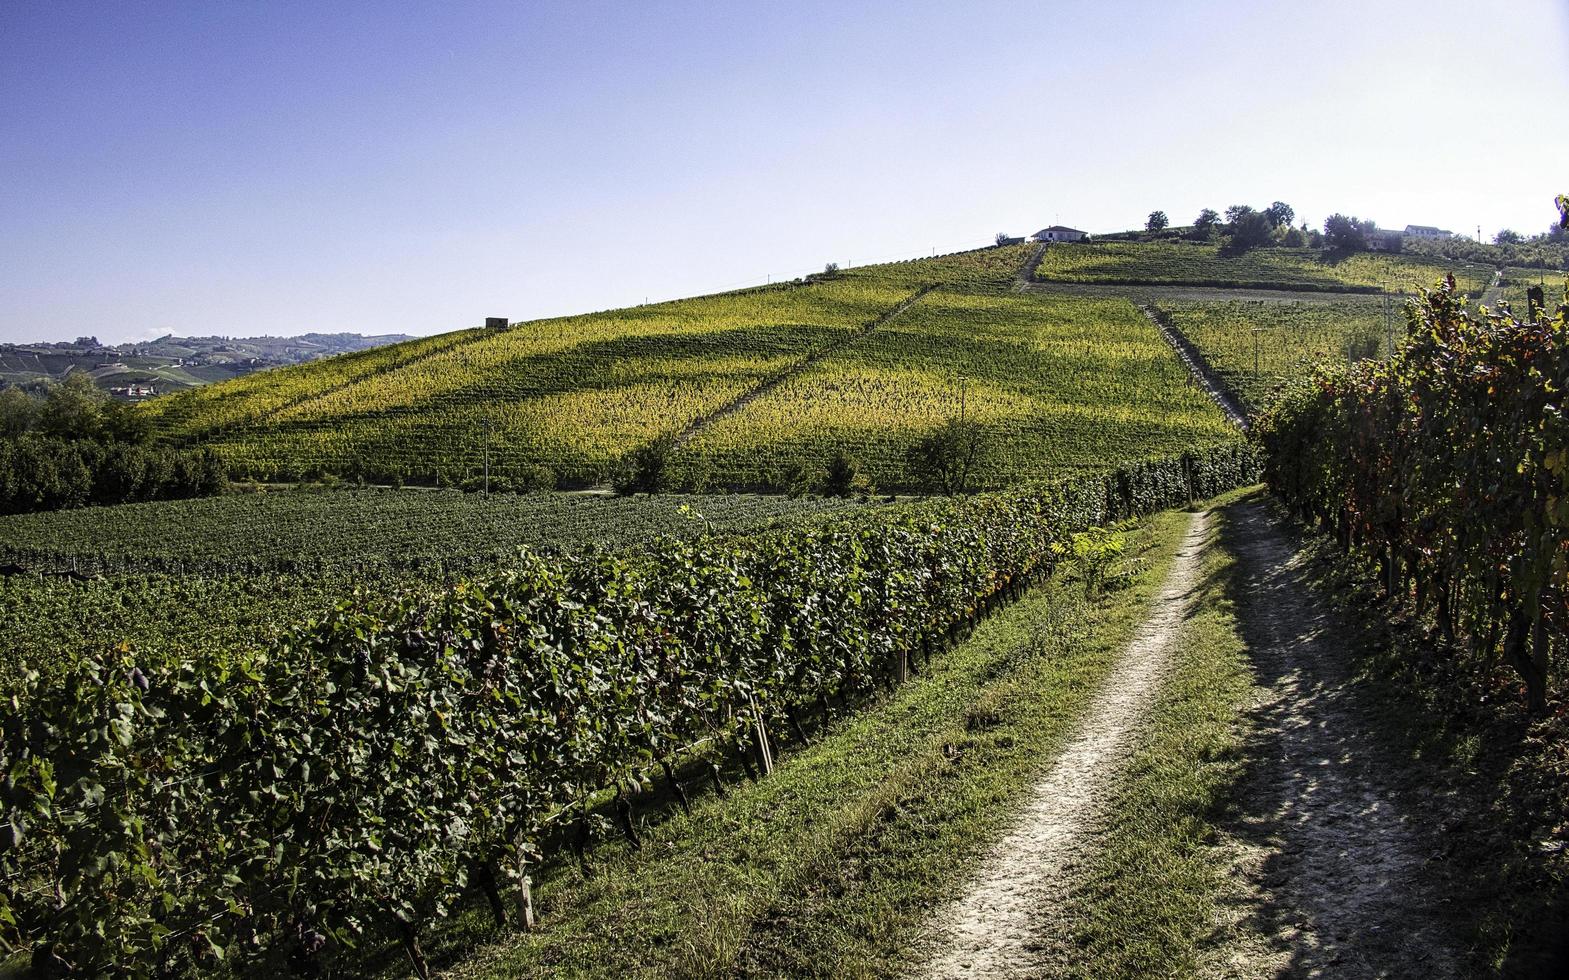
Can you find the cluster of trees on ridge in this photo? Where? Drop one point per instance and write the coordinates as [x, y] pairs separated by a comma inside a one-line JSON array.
[[76, 446], [1243, 228]]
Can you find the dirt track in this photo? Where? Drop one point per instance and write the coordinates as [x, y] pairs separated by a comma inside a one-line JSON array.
[[1328, 849], [1329, 852], [989, 931]]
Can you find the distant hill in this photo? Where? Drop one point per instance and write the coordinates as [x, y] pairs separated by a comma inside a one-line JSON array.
[[140, 370]]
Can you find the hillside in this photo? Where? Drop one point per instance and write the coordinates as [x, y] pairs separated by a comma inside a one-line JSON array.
[[865, 361], [171, 363]]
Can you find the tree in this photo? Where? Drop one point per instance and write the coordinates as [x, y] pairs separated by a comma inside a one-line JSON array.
[[1343, 234], [1249, 228], [845, 477], [831, 268], [1280, 213], [1507, 236], [646, 470], [1204, 224], [1157, 221], [18, 412], [945, 460], [73, 409], [1002, 238]]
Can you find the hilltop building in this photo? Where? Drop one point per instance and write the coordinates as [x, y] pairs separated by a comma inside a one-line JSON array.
[[1058, 233], [1426, 231]]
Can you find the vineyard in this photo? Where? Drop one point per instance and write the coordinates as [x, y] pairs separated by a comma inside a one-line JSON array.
[[564, 402], [1447, 465], [1060, 385], [1255, 347], [571, 395], [338, 529], [1269, 268], [163, 818], [1516, 281]]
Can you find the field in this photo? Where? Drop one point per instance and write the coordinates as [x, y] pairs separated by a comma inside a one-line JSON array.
[[566, 400], [345, 528], [572, 394], [1516, 281], [1254, 346], [50, 624], [1061, 385], [1271, 268]]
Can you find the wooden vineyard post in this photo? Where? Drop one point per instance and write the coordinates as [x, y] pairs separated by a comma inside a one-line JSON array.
[[760, 733], [901, 667], [525, 892], [765, 753]]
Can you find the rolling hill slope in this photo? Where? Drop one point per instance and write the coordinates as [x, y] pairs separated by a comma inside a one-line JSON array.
[[1064, 385]]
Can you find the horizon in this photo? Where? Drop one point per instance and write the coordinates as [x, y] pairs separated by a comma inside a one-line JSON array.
[[243, 171]]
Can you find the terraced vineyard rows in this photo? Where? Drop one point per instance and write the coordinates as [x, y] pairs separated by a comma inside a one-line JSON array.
[[337, 529], [1061, 385], [1270, 268], [1254, 346], [571, 394]]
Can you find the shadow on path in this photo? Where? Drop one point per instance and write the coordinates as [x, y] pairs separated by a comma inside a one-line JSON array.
[[1331, 853]]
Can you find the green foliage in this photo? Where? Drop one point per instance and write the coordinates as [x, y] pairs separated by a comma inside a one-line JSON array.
[[1094, 553], [1157, 221], [1345, 234], [945, 460], [319, 531], [41, 473], [1447, 464], [348, 780], [647, 468], [844, 477], [1186, 263]]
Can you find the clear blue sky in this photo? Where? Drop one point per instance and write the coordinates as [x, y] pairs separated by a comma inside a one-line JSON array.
[[244, 168]]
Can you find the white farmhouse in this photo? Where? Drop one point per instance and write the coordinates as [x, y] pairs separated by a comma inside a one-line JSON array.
[[1057, 233], [1426, 231]]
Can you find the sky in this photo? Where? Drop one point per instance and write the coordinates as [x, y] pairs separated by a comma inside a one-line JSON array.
[[243, 168]]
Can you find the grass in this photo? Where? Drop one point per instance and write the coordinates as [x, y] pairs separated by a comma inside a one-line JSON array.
[[835, 864], [1143, 905]]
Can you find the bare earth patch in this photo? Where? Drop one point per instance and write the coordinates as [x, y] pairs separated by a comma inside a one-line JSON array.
[[991, 931], [1331, 854]]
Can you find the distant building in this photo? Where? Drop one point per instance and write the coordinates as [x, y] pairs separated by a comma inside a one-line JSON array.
[[1006, 240], [1058, 233], [496, 323], [135, 391], [1426, 231]]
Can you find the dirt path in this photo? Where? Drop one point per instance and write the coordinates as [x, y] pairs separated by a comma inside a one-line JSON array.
[[1328, 850], [1198, 367], [989, 931]]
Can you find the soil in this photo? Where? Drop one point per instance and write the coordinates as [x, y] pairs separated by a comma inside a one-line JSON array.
[[989, 931]]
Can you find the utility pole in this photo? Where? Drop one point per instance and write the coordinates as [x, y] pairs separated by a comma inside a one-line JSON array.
[[1389, 329]]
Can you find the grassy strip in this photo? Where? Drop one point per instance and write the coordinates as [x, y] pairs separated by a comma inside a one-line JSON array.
[[1144, 903], [833, 865]]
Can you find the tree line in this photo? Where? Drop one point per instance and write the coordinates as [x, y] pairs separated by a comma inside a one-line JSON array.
[[76, 446]]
